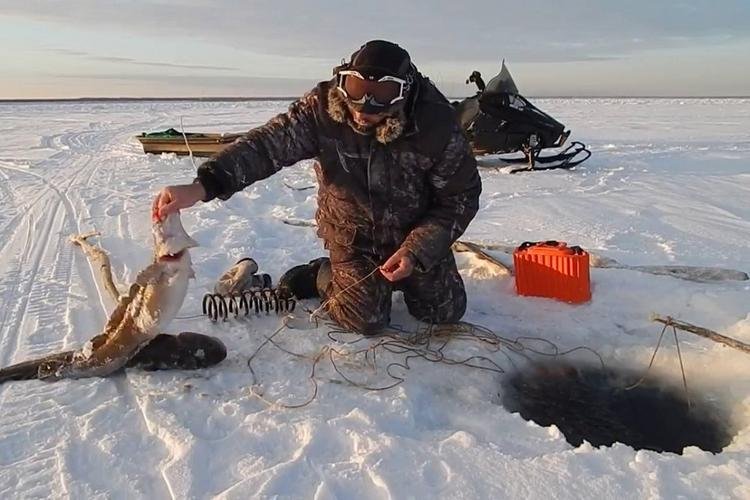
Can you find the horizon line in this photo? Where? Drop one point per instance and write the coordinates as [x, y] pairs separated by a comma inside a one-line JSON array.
[[33, 100]]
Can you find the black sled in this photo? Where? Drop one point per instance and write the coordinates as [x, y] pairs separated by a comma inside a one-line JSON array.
[[498, 121]]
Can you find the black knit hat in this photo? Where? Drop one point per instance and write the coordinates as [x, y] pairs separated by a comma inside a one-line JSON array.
[[378, 58]]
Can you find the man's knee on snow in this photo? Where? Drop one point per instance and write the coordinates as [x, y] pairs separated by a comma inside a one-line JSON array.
[[357, 299], [437, 295], [357, 321], [449, 311], [455, 312], [448, 307]]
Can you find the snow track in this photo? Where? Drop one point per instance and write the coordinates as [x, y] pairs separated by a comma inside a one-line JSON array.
[[661, 188], [37, 294], [44, 269]]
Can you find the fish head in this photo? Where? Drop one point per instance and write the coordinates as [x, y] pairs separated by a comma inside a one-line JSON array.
[[171, 241]]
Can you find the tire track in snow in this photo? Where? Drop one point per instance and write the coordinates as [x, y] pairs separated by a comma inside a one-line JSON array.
[[11, 286], [65, 223], [21, 211], [9, 201], [40, 470], [56, 217], [53, 212], [50, 294], [28, 286], [43, 277], [72, 143]]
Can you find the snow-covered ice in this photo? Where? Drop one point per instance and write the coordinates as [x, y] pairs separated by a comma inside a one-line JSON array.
[[668, 183]]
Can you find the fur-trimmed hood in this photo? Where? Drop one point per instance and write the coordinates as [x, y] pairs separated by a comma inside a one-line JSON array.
[[388, 131]]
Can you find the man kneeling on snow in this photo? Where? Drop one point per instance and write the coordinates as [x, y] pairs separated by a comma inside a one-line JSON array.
[[398, 184]]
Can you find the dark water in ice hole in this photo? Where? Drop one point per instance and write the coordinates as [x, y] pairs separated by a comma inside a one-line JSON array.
[[590, 403]]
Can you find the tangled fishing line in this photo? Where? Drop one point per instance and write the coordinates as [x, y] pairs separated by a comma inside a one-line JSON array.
[[430, 344]]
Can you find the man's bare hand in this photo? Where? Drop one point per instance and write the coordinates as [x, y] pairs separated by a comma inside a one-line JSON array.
[[399, 265], [173, 198]]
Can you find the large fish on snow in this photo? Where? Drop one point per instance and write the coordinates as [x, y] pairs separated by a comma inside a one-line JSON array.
[[150, 305]]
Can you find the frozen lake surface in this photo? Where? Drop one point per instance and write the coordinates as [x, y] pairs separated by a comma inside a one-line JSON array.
[[668, 184]]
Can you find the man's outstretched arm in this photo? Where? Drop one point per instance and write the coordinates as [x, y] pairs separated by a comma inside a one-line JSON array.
[[282, 141]]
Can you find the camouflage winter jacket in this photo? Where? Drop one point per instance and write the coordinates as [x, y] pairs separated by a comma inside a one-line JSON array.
[[412, 182]]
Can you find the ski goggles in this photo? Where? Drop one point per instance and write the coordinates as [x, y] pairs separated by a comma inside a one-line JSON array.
[[361, 91]]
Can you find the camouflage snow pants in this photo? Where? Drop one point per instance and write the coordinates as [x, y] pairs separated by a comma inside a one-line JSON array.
[[435, 296]]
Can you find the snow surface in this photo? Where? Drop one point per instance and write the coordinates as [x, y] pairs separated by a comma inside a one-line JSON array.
[[669, 183]]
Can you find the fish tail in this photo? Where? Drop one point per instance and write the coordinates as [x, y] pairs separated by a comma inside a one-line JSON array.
[[44, 368]]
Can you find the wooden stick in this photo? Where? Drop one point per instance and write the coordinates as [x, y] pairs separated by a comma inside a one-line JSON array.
[[703, 332], [99, 257], [689, 273], [467, 246]]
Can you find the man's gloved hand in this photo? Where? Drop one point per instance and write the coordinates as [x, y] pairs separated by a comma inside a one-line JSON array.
[[173, 198], [399, 265]]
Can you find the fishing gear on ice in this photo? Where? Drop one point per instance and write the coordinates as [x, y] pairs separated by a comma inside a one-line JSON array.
[[242, 292]]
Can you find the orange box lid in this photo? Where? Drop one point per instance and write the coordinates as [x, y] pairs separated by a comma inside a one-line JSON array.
[[550, 247]]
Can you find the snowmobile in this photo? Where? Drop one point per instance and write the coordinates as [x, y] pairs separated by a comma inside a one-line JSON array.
[[499, 120]]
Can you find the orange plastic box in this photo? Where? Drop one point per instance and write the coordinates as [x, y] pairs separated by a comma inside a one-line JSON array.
[[552, 269]]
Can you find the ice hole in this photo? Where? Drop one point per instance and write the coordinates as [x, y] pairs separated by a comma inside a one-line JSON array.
[[594, 404]]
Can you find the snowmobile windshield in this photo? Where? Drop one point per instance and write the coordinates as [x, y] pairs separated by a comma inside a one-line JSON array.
[[383, 92], [502, 83]]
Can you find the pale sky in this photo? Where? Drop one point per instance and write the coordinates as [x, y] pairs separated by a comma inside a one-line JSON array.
[[159, 48]]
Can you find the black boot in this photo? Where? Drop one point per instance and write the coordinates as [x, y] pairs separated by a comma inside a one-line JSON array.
[[239, 277], [300, 282], [186, 351]]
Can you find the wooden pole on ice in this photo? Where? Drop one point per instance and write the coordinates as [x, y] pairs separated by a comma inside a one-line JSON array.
[[703, 332]]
